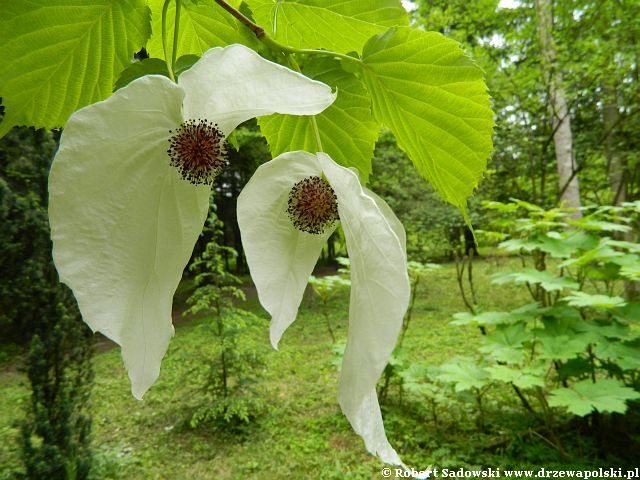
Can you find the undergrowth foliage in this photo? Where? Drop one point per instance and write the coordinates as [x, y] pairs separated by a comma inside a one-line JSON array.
[[325, 289], [573, 351], [226, 375]]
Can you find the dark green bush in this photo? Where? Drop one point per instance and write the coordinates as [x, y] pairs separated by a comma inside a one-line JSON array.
[[36, 310]]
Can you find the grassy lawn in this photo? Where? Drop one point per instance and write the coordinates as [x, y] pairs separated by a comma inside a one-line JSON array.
[[302, 433]]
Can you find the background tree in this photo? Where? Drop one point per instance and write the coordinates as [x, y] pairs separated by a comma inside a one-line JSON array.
[[36, 310], [594, 49], [560, 113]]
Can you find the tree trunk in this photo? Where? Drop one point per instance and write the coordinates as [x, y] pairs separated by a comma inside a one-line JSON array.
[[616, 164], [560, 118]]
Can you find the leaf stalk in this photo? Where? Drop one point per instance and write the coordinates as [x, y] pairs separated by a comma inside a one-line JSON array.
[[165, 50]]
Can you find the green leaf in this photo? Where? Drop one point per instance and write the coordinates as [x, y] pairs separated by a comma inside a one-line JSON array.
[[602, 253], [611, 329], [582, 240], [605, 395], [582, 299], [556, 245], [415, 380], [505, 342], [482, 319], [347, 131], [340, 25], [529, 207], [524, 313], [434, 100], [546, 279], [500, 206], [588, 223], [552, 243], [60, 55], [464, 373], [520, 377], [202, 26], [517, 244], [603, 272], [629, 312], [627, 357], [561, 320], [184, 63], [629, 260], [630, 246], [148, 66], [562, 347], [574, 367], [631, 273]]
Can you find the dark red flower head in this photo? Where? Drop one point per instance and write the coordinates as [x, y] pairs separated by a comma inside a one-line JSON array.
[[313, 206], [198, 150]]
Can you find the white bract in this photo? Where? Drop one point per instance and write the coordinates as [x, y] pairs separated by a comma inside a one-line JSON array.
[[281, 259], [123, 220]]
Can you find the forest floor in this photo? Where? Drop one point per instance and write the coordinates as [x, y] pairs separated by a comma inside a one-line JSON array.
[[302, 433]]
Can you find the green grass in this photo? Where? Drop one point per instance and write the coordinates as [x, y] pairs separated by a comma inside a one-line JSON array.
[[302, 434]]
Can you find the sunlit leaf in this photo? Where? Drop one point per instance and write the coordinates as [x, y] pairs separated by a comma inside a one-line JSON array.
[[545, 279], [583, 299], [60, 55], [520, 377], [340, 25], [202, 26], [505, 342], [588, 223], [464, 374], [605, 395], [434, 100], [347, 131]]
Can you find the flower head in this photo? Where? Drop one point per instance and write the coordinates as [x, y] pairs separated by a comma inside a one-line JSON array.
[[313, 205], [129, 189], [198, 151], [282, 248]]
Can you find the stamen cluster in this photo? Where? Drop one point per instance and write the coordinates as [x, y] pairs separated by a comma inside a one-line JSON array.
[[198, 150], [313, 205]]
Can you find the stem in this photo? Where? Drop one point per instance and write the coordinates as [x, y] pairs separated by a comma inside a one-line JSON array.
[[408, 315], [327, 320], [176, 29], [549, 420], [165, 7], [312, 118], [255, 28], [524, 401], [314, 125], [308, 51], [276, 46], [460, 266], [479, 394], [470, 256]]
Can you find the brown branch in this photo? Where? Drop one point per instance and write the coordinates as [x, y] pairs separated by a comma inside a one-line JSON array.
[[255, 28]]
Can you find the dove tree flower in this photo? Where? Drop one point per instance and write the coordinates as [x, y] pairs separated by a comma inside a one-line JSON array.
[[286, 212], [130, 187]]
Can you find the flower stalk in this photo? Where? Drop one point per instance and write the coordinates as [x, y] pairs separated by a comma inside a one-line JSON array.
[[165, 50], [171, 62], [314, 124], [176, 31]]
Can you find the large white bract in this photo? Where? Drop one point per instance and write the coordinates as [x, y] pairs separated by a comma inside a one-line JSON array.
[[123, 220], [281, 259]]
